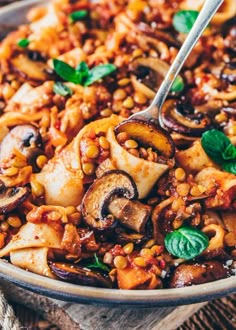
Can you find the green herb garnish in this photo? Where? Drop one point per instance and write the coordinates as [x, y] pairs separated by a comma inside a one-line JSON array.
[[184, 20], [61, 89], [178, 85], [23, 43], [78, 15], [98, 264], [220, 149], [186, 242], [82, 75]]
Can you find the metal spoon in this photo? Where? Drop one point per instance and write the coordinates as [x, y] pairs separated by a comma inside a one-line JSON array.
[[153, 112]]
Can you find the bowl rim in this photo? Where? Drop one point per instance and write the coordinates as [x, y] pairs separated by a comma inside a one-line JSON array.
[[112, 297], [84, 294]]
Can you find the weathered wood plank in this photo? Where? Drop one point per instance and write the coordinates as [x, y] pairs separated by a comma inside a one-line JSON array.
[[86, 317]]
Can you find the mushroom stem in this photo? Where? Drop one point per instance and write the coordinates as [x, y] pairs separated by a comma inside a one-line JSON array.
[[131, 214]]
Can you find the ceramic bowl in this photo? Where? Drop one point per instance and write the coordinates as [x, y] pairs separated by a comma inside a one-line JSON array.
[[10, 17]]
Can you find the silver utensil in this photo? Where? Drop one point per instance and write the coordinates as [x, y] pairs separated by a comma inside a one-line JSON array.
[[153, 112]]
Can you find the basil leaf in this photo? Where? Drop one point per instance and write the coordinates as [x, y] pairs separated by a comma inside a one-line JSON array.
[[66, 72], [78, 15], [178, 85], [61, 89], [23, 43], [215, 143], [230, 166], [229, 152], [83, 70], [184, 20], [186, 242], [98, 264], [99, 72]]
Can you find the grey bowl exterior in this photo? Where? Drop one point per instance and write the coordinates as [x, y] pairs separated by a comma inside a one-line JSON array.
[[11, 16]]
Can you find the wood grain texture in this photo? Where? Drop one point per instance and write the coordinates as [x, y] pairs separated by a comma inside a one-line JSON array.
[[69, 316]]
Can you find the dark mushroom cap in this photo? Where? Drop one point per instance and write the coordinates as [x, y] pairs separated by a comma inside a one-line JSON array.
[[25, 66], [182, 118], [198, 273], [24, 138], [149, 135], [78, 275], [11, 198], [96, 200]]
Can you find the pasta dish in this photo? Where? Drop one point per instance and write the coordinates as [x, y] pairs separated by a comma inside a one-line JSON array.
[[91, 197]]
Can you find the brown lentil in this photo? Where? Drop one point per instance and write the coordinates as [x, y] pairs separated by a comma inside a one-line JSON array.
[[146, 252], [143, 152], [14, 221], [180, 174], [88, 168], [103, 142], [36, 188], [124, 82], [149, 243], [128, 248], [140, 98], [106, 112], [195, 191], [131, 144], [41, 161], [183, 189], [128, 103], [120, 262], [119, 95], [122, 137], [134, 152], [108, 258], [156, 249], [177, 204], [92, 151], [140, 261]]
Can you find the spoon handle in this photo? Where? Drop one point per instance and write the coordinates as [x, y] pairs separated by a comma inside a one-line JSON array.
[[204, 17]]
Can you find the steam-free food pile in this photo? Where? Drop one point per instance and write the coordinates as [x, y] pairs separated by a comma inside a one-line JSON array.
[[89, 197]]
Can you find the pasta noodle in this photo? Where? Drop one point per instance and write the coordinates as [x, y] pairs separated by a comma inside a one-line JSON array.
[[89, 197]]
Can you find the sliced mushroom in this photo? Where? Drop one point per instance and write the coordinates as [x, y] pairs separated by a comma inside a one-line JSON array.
[[131, 214], [24, 138], [10, 198], [159, 35], [30, 69], [149, 135], [96, 200], [150, 73], [184, 119], [83, 276], [190, 274]]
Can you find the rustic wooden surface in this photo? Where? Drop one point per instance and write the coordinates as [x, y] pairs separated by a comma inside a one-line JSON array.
[[216, 315]]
